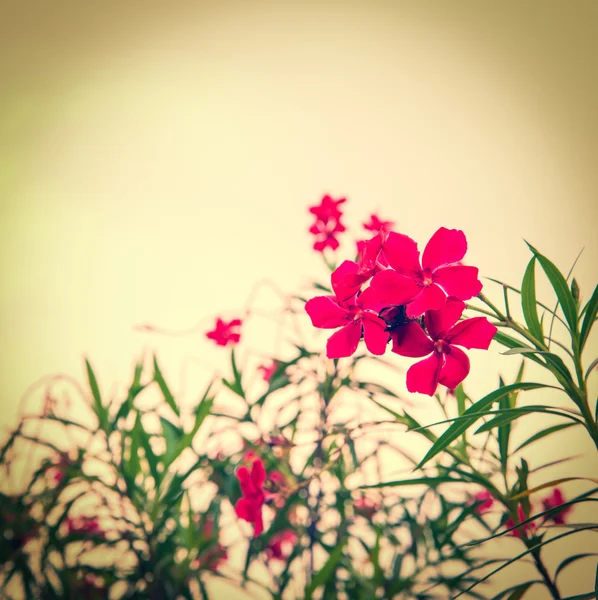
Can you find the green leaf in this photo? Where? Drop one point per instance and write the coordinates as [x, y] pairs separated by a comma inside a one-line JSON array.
[[168, 397], [461, 396], [173, 436], [100, 410], [528, 301], [325, 573], [150, 456], [431, 481], [544, 433], [135, 389], [561, 289], [571, 559], [476, 411], [591, 309], [508, 415]]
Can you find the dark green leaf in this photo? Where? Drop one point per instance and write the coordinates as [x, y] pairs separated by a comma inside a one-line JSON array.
[[100, 410], [511, 414], [430, 481], [168, 397], [528, 301], [591, 309], [561, 289], [569, 560], [325, 573], [476, 411], [173, 436], [544, 433]]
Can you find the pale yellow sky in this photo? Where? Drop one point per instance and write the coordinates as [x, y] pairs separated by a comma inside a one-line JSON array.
[[157, 162]]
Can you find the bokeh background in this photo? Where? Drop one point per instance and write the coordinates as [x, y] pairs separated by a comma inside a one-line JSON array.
[[157, 159]]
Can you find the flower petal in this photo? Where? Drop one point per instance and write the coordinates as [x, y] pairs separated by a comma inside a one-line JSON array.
[[455, 369], [346, 281], [422, 377], [345, 341], [325, 312], [472, 333], [410, 340], [438, 322], [430, 298], [243, 508], [392, 288], [446, 246], [402, 253], [258, 474], [459, 281], [245, 482], [374, 334], [258, 522]]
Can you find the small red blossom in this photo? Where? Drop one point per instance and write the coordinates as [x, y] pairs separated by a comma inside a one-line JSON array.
[[268, 370], [225, 333], [437, 275], [249, 507], [366, 507], [527, 528], [556, 499], [377, 224], [327, 224], [280, 545], [483, 501], [82, 525], [447, 364]]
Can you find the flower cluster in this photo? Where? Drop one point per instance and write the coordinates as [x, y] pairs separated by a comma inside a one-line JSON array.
[[327, 224], [414, 303]]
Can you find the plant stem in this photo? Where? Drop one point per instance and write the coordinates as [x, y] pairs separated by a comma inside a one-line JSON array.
[[550, 584]]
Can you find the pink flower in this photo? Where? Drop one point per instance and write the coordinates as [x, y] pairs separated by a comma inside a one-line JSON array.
[[528, 528], [280, 545], [438, 274], [556, 499], [483, 501], [249, 507], [366, 507], [447, 364], [268, 370], [225, 333], [376, 224], [327, 224], [355, 320]]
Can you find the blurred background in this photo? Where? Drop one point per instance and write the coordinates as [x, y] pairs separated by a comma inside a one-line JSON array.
[[157, 160]]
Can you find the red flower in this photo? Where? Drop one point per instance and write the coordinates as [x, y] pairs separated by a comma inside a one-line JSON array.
[[524, 529], [483, 501], [438, 272], [446, 364], [327, 223], [268, 370], [249, 507], [225, 333], [355, 320], [82, 525], [280, 545], [366, 507], [554, 500], [376, 224]]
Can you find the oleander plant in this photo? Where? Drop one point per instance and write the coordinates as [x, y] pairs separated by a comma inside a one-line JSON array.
[[306, 474]]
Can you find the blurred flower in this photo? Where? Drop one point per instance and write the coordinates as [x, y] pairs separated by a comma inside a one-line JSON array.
[[280, 545], [225, 333], [447, 364], [249, 507], [57, 472], [376, 224], [483, 501], [327, 223], [556, 499], [82, 525], [268, 370], [366, 507], [213, 553], [527, 528]]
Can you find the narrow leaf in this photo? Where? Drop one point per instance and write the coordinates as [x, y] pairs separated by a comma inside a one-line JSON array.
[[100, 410], [591, 309], [528, 301], [544, 433], [324, 574], [168, 397]]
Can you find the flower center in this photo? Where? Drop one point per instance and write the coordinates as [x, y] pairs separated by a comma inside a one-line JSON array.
[[441, 347], [427, 277]]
